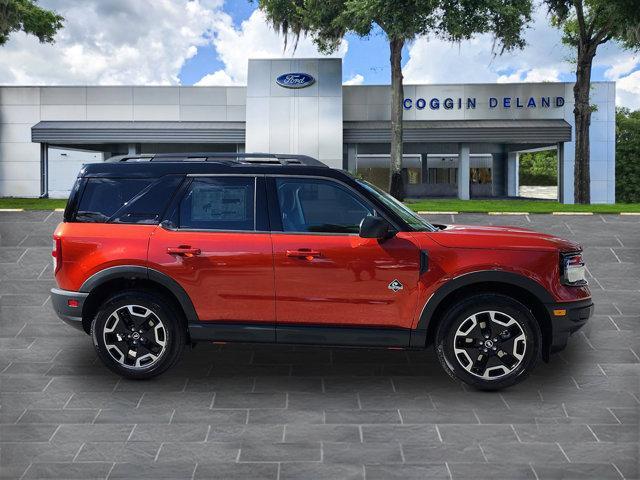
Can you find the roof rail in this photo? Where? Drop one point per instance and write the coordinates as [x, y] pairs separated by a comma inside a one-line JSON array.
[[232, 158]]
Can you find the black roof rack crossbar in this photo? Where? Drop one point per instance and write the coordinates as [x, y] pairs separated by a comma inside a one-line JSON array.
[[222, 157]]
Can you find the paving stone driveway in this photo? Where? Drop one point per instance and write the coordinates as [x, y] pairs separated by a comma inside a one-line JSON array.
[[238, 411]]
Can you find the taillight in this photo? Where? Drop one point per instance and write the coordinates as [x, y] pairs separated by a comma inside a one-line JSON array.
[[572, 269], [57, 254]]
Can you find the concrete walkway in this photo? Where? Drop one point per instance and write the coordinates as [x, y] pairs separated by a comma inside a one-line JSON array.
[[242, 411]]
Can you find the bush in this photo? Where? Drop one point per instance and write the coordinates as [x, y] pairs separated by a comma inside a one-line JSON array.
[[539, 168], [627, 156]]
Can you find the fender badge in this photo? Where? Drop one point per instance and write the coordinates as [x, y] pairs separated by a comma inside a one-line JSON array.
[[395, 286]]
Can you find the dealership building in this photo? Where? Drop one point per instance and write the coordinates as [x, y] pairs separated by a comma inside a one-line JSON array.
[[460, 140]]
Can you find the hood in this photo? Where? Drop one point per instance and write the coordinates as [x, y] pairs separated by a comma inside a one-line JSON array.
[[501, 238]]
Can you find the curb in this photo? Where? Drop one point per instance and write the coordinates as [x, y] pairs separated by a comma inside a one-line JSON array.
[[11, 209], [428, 212], [630, 213], [507, 213], [571, 213]]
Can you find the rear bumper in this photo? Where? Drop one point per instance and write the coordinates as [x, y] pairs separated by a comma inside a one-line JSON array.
[[563, 326], [69, 315]]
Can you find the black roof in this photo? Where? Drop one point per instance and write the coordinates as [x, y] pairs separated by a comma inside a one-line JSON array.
[[156, 165]]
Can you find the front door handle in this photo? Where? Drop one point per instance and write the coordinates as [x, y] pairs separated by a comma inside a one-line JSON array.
[[304, 253], [184, 251]]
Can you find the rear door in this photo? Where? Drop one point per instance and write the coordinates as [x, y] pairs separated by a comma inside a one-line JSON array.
[[218, 248], [326, 274]]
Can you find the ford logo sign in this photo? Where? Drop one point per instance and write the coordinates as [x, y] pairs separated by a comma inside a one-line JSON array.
[[295, 80]]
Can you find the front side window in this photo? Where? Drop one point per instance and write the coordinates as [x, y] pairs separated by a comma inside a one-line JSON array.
[[405, 213], [219, 203], [319, 206]]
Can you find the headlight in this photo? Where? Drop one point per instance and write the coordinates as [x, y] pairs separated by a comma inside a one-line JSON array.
[[572, 269]]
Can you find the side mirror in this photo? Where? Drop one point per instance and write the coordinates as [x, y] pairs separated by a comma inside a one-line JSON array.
[[375, 227]]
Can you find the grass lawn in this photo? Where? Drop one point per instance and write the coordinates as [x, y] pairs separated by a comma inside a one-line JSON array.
[[32, 203], [440, 205], [531, 206]]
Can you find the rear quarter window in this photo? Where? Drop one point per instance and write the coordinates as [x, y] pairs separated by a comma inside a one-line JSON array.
[[125, 200]]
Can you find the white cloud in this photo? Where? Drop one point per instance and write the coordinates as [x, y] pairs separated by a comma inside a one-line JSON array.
[[628, 91], [114, 42], [253, 39], [531, 75], [545, 58], [625, 63], [142, 42], [147, 42], [217, 78], [436, 61], [357, 79], [625, 70]]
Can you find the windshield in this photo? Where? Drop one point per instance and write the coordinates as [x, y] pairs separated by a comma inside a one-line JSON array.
[[409, 216]]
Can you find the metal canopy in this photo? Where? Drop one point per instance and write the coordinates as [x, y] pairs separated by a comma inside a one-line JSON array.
[[137, 132], [452, 131], [432, 131]]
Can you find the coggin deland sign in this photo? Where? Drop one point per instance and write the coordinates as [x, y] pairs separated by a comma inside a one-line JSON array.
[[302, 80], [469, 103]]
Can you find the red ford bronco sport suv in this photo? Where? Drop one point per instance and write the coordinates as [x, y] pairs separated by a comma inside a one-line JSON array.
[[157, 252]]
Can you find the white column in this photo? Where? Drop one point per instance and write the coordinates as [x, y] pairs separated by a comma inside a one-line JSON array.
[[132, 149], [561, 173], [352, 153], [463, 171], [513, 165]]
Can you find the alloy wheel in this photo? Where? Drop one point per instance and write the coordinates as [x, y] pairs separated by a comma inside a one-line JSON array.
[[134, 336], [490, 344]]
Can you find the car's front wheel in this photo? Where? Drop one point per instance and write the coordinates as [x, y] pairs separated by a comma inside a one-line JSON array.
[[137, 334], [488, 341]]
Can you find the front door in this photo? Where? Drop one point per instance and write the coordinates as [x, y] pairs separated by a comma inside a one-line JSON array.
[[219, 251], [325, 274]]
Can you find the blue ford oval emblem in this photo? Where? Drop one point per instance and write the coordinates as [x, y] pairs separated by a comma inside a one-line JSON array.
[[295, 80]]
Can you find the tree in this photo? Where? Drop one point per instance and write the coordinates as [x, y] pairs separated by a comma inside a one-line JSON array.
[[327, 21], [28, 17], [587, 24], [627, 156], [539, 168]]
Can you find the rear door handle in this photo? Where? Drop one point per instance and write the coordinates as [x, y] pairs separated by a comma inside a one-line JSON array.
[[304, 253], [184, 251]]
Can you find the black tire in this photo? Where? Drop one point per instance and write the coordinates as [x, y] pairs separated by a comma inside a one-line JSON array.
[[513, 357], [162, 324]]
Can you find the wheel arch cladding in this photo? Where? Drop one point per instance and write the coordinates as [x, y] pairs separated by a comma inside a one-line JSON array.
[[111, 280], [528, 292]]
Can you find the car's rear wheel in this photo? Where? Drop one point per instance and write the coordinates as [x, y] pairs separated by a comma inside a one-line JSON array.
[[138, 335], [488, 341]]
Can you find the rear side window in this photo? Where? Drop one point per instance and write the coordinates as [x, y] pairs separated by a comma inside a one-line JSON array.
[[126, 200], [102, 197], [219, 203]]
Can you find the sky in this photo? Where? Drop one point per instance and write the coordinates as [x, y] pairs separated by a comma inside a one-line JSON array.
[[208, 42]]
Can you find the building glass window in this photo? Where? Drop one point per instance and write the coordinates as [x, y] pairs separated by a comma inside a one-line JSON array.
[[481, 175], [374, 168]]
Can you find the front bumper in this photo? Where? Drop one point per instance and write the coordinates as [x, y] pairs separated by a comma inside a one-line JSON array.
[[69, 315], [564, 325]]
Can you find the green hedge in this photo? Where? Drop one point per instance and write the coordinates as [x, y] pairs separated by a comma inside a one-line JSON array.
[[627, 156], [539, 168]]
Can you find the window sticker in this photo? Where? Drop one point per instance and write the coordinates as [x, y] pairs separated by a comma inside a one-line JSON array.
[[209, 202]]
